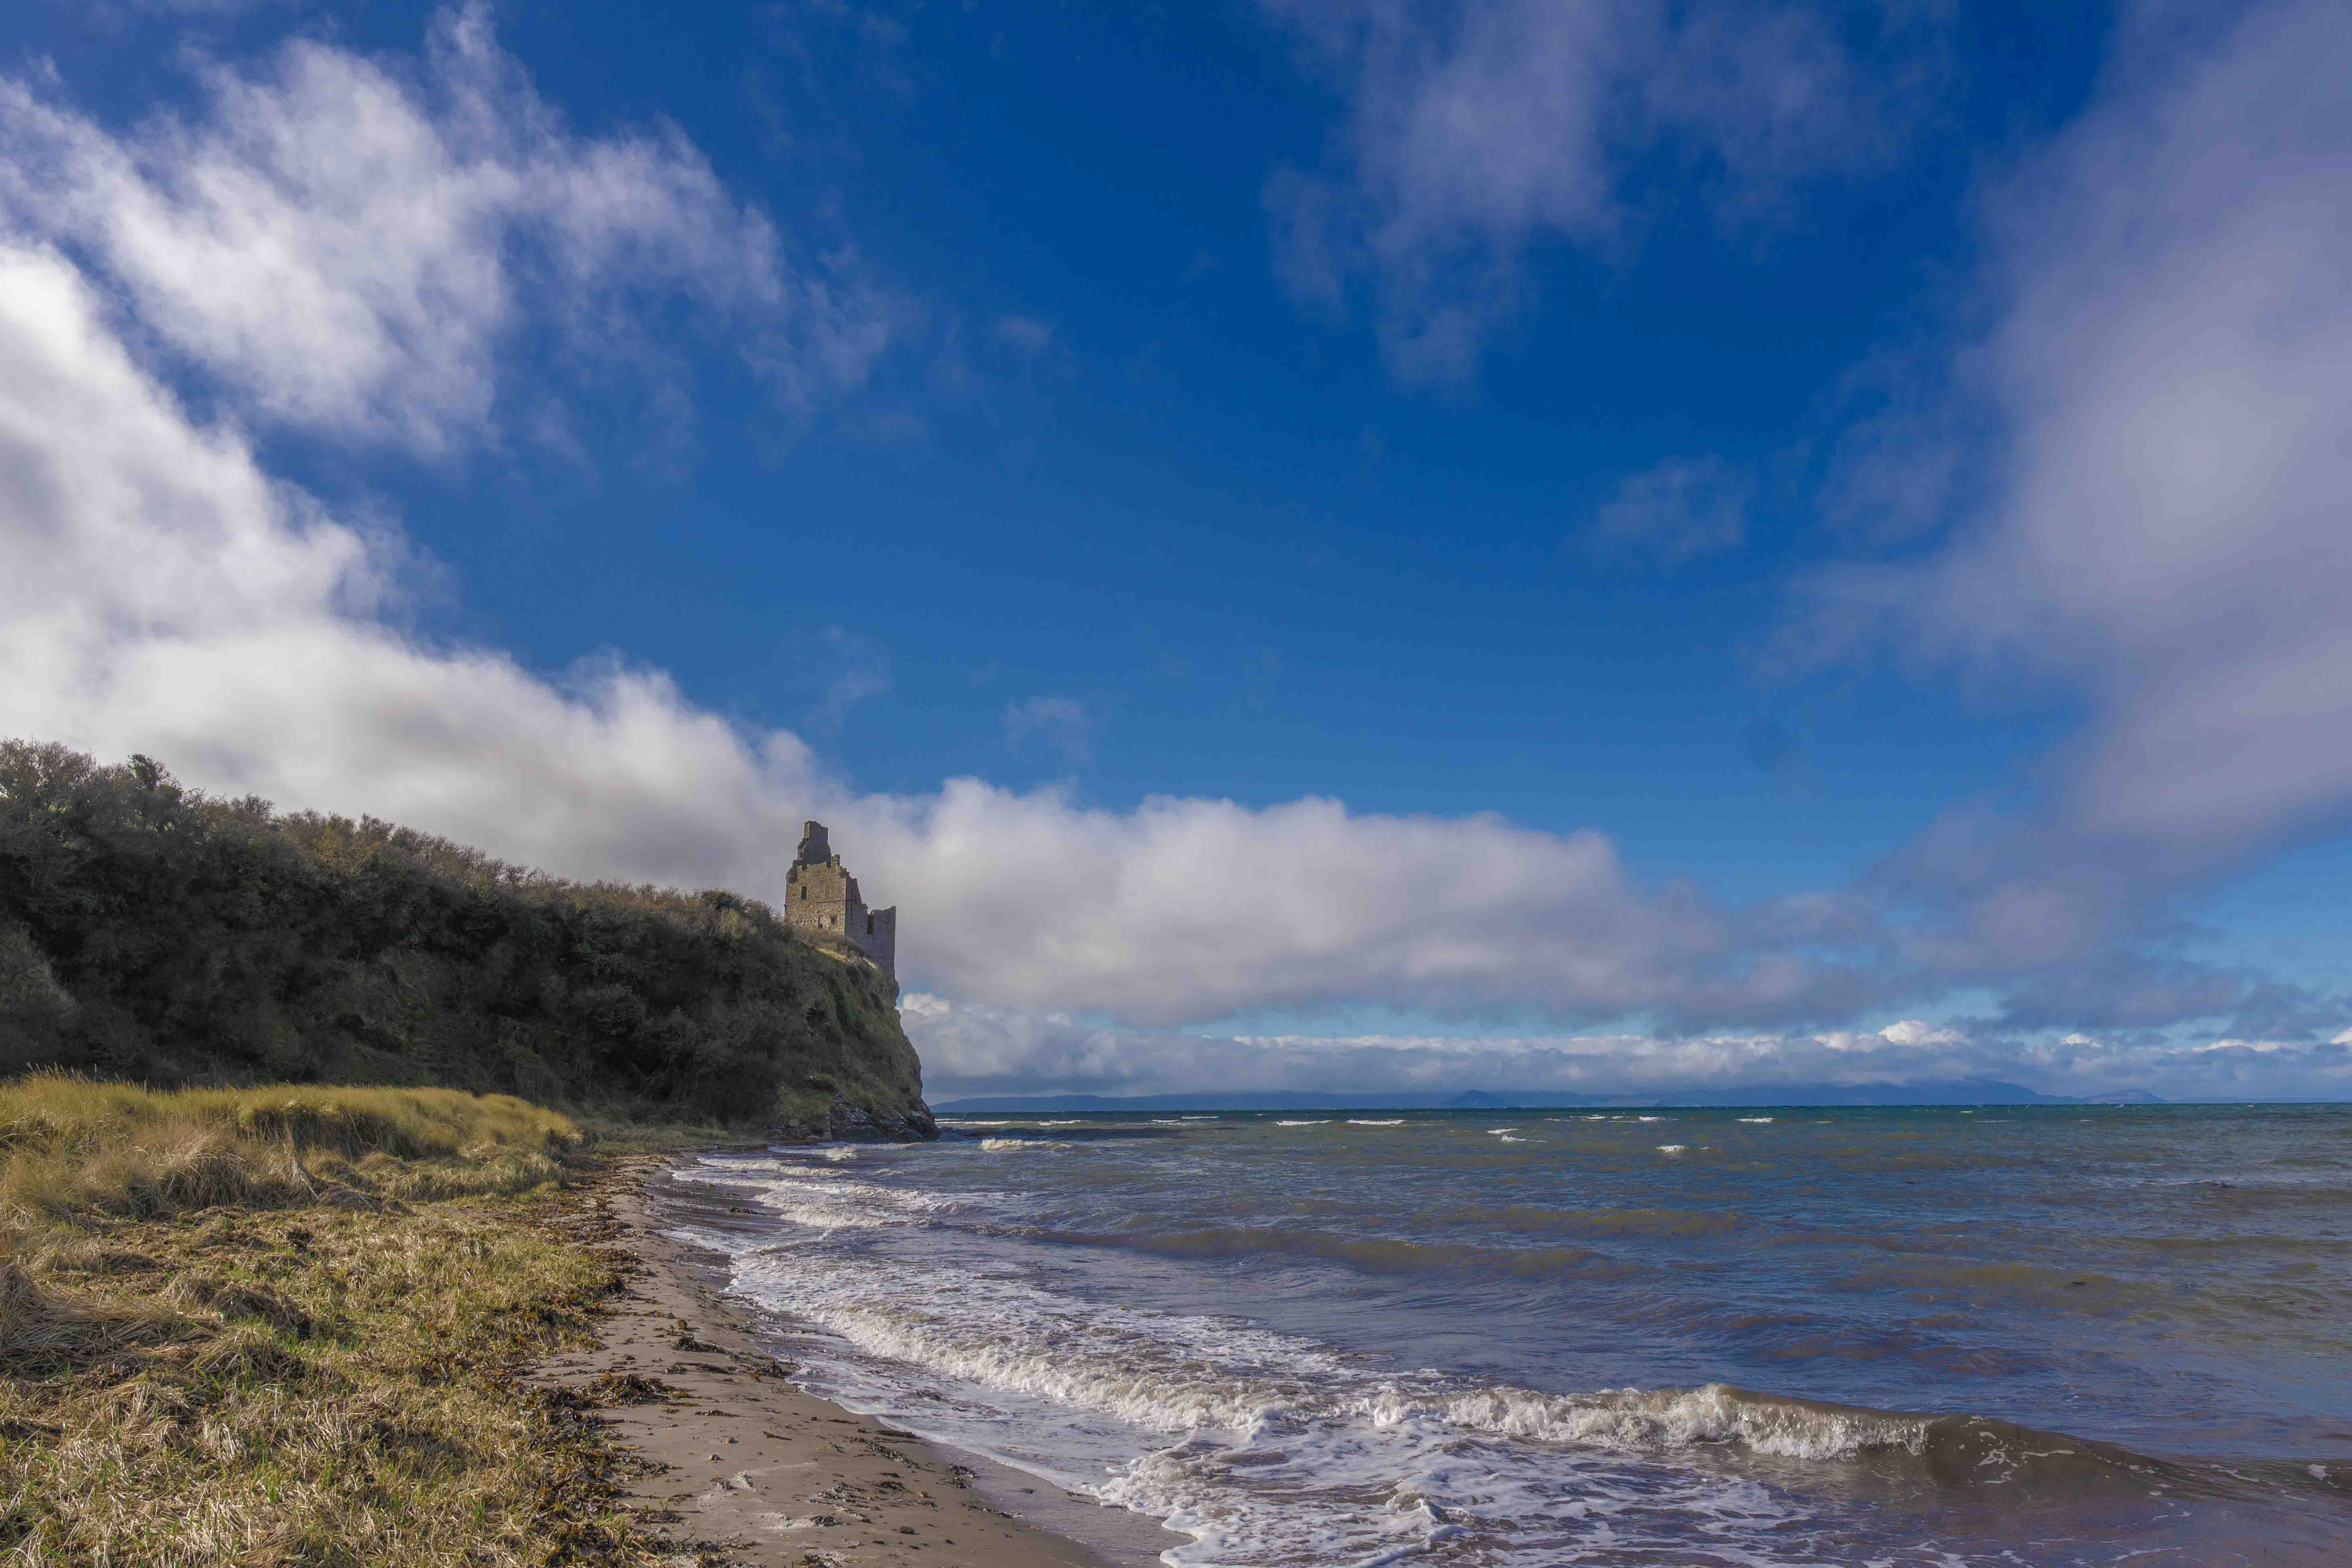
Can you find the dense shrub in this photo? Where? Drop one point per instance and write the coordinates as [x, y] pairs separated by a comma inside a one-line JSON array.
[[150, 932]]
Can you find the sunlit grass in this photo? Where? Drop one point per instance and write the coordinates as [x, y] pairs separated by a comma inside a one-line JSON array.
[[283, 1325], [68, 1146]]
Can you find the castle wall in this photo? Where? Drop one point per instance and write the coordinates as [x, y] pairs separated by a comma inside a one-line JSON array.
[[823, 899], [881, 941]]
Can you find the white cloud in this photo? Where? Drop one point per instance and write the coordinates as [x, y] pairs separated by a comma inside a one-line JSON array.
[[345, 245], [2165, 537], [1679, 508], [160, 592], [1475, 132], [1915, 1032], [163, 594]]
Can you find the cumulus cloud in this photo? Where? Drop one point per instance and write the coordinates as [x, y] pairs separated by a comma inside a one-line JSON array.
[[2165, 540], [165, 594], [1474, 132], [345, 245]]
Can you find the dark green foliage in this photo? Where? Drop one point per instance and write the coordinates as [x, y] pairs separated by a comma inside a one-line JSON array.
[[150, 932]]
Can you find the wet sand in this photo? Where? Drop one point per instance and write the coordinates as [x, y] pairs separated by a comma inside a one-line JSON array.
[[739, 1463]]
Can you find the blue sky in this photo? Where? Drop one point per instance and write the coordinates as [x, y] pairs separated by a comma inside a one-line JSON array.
[[1590, 544]]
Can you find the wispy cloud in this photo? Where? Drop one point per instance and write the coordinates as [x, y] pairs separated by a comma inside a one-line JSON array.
[[2170, 385], [1062, 721], [1682, 507], [861, 669], [1025, 333], [1474, 133]]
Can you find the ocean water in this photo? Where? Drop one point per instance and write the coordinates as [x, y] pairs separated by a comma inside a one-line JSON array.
[[1946, 1336]]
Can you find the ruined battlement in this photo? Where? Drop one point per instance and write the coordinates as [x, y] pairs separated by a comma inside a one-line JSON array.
[[820, 897]]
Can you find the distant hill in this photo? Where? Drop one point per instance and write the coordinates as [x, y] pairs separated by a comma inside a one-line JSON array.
[[1956, 1091], [149, 932]]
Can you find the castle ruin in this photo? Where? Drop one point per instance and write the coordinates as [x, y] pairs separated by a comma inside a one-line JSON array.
[[820, 897]]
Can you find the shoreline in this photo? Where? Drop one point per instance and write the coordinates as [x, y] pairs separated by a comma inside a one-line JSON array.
[[729, 1457]]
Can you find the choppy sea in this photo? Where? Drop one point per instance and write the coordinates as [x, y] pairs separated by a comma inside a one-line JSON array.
[[1889, 1336]]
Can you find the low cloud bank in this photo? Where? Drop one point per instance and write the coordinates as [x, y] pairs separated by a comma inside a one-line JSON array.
[[972, 1049]]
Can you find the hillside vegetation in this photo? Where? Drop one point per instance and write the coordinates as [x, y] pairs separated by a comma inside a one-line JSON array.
[[150, 932]]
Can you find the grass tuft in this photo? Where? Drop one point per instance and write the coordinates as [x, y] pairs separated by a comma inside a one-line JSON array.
[[43, 1331]]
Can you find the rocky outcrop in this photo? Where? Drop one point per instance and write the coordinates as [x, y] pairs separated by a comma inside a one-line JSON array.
[[841, 1121]]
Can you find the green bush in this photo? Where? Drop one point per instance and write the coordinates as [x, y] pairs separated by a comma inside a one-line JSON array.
[[150, 932]]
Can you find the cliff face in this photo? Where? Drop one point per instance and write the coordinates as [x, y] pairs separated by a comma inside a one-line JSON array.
[[149, 932]]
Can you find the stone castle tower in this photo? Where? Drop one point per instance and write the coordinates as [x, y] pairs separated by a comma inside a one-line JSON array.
[[819, 896]]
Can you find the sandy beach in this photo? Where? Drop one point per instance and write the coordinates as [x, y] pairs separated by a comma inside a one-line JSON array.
[[736, 1466]]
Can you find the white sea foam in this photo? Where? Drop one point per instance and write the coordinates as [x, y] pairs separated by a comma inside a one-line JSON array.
[[1270, 1449], [1354, 1121], [1509, 1140], [1324, 1122], [1757, 1119], [1499, 1132]]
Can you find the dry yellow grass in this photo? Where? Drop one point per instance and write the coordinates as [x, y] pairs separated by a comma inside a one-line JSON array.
[[283, 1326], [71, 1146]]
